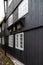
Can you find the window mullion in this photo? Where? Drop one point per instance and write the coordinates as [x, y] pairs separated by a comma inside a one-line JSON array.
[[19, 41]]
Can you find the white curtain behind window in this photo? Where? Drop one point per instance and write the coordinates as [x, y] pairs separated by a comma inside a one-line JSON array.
[[1, 10], [23, 8]]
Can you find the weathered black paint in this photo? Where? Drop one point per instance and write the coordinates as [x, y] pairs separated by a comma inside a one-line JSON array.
[[34, 47], [33, 42]]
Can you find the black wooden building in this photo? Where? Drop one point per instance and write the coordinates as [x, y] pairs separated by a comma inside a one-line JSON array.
[[22, 33]]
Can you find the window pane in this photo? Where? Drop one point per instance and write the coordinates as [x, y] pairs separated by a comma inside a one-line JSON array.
[[19, 41], [21, 45], [20, 35], [10, 20], [23, 8], [11, 40], [22, 41]]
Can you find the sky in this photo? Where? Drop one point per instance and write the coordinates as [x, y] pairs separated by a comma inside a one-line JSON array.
[[1, 10]]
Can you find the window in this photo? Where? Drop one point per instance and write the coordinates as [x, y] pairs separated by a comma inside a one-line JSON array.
[[10, 20], [9, 2], [23, 8], [2, 40], [3, 27], [19, 41], [11, 40], [0, 29]]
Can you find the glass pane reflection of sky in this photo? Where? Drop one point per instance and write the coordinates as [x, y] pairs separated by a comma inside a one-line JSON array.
[[1, 10]]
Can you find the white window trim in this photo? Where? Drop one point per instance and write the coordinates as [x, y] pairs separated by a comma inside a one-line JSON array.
[[19, 41]]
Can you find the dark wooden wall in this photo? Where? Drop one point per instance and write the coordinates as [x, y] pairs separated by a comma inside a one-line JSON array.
[[33, 51], [34, 47]]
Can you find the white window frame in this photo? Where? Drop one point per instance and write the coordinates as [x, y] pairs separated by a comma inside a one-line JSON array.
[[10, 20], [17, 46], [9, 2], [23, 8], [11, 40]]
